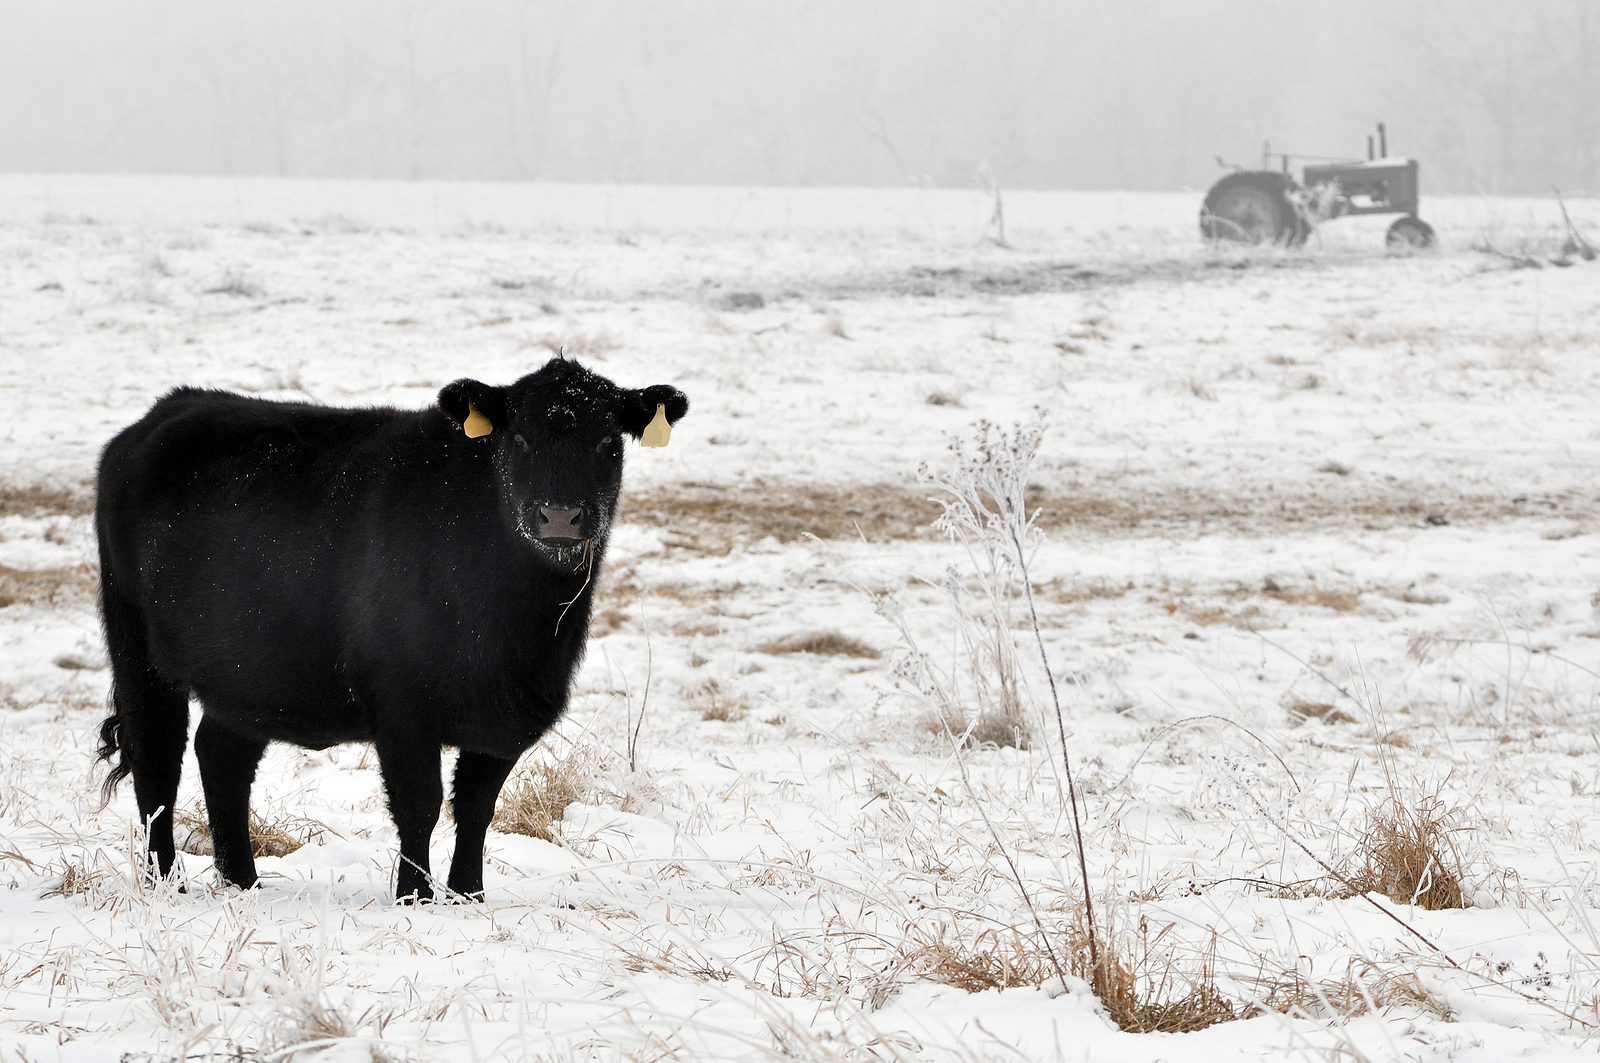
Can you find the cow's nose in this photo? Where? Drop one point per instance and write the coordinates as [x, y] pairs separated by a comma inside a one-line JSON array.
[[559, 522]]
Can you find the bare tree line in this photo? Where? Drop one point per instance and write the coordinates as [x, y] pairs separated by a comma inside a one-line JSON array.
[[1492, 95]]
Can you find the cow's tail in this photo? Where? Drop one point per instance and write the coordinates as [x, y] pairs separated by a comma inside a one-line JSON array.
[[124, 640]]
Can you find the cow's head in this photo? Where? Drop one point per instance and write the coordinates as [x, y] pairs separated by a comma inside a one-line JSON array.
[[556, 438]]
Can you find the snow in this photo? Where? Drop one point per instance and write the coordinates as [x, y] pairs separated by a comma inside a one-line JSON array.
[[1272, 480]]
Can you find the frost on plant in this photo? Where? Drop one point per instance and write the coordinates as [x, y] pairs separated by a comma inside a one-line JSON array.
[[976, 688]]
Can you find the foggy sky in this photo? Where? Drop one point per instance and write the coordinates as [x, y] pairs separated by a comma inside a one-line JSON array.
[[1491, 95]]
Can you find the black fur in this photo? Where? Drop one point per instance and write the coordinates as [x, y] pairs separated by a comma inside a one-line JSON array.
[[316, 576]]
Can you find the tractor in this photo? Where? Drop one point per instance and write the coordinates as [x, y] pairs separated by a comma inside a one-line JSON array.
[[1269, 206]]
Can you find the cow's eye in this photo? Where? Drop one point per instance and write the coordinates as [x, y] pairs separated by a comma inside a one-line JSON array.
[[605, 444], [522, 444]]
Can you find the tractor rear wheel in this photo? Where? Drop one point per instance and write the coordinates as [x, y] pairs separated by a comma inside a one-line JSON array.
[[1253, 207], [1410, 233]]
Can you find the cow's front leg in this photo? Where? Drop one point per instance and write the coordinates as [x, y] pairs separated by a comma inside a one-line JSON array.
[[478, 781], [410, 767]]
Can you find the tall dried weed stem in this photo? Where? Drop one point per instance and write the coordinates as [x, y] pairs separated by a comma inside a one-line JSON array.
[[984, 495]]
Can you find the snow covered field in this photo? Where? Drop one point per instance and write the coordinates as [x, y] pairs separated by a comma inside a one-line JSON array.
[[1323, 539]]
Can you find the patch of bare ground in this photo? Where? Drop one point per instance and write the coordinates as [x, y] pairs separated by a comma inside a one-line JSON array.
[[822, 643], [717, 519], [34, 500], [1240, 605], [34, 586]]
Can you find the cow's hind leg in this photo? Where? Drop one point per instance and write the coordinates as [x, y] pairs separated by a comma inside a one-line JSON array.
[[410, 767], [228, 762], [148, 727], [478, 781]]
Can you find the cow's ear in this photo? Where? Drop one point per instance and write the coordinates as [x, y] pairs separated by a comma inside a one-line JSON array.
[[639, 407], [474, 407]]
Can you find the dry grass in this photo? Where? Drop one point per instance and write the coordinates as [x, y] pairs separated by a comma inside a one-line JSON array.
[[995, 727], [1364, 987], [536, 799], [822, 643], [1072, 592], [32, 500], [1408, 852], [1301, 711], [992, 958], [1340, 601], [716, 701], [78, 877], [1142, 985], [1455, 338], [28, 586], [1238, 605], [275, 837], [719, 519]]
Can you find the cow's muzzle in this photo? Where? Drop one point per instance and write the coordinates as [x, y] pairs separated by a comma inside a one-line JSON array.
[[560, 524]]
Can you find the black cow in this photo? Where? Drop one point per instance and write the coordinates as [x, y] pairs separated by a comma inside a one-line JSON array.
[[315, 575]]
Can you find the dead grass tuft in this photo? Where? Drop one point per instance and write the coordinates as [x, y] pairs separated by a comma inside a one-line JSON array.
[[536, 799], [1408, 852], [822, 643], [717, 702], [1142, 987], [993, 958], [1363, 988], [275, 837], [1144, 990], [1001, 724], [1340, 601], [78, 877], [1301, 711], [675, 959]]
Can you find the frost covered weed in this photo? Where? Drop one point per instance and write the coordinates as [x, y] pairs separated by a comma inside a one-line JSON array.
[[986, 513], [981, 694]]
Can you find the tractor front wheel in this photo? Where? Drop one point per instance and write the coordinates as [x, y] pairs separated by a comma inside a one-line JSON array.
[[1253, 207], [1410, 234]]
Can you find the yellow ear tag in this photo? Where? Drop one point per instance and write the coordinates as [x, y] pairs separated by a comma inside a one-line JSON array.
[[658, 431], [476, 423]]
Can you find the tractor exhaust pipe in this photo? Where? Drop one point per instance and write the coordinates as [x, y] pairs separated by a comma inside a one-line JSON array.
[[1370, 156], [1383, 141]]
